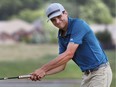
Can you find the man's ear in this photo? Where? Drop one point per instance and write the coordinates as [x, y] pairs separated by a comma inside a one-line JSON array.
[[65, 12]]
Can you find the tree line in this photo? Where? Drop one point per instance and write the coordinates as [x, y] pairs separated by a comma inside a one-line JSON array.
[[100, 11], [92, 11]]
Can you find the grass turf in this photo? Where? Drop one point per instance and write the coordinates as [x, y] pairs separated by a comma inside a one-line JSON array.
[[23, 59]]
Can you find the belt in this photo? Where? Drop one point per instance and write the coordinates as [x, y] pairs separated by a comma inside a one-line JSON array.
[[95, 69]]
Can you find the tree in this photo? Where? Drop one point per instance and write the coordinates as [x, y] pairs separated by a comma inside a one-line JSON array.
[[11, 7], [112, 6], [96, 11], [30, 15], [105, 39], [7, 7]]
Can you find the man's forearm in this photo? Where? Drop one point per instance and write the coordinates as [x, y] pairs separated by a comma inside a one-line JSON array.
[[60, 60], [56, 70]]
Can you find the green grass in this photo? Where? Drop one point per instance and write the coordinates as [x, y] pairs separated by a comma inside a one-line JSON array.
[[14, 68], [24, 59], [112, 59]]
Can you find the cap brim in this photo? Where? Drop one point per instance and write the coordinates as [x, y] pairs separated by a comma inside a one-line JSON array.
[[54, 15]]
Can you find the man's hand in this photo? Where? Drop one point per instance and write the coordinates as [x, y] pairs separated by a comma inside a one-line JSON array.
[[37, 75]]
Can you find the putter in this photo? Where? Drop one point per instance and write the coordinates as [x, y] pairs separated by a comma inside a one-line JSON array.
[[16, 77]]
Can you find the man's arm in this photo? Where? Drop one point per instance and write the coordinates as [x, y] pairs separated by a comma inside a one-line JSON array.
[[56, 70], [62, 58], [58, 61]]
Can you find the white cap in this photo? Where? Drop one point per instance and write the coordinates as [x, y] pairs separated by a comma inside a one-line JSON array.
[[53, 10]]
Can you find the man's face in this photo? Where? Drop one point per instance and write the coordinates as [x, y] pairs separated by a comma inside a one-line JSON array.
[[60, 21]]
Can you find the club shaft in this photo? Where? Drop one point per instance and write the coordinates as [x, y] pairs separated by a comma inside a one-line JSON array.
[[17, 77], [12, 77]]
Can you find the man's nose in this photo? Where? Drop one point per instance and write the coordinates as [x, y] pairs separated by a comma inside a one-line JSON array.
[[57, 20]]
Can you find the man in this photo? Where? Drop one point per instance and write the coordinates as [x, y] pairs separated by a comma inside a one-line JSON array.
[[76, 42]]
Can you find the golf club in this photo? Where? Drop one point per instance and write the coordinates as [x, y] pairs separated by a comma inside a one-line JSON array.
[[16, 77]]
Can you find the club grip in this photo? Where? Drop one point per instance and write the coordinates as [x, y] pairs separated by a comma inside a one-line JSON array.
[[24, 76]]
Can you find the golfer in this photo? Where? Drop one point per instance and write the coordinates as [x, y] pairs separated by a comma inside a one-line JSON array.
[[77, 42]]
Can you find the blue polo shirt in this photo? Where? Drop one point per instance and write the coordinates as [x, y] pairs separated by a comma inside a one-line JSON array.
[[89, 54]]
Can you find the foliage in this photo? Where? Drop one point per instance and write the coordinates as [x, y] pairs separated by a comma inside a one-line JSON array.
[[30, 15], [105, 39], [10, 7], [87, 9], [38, 38], [95, 11], [51, 32], [106, 36], [111, 5]]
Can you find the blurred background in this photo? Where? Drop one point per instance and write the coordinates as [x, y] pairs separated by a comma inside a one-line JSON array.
[[27, 40]]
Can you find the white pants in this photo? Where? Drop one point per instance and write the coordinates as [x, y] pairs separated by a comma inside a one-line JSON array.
[[100, 78]]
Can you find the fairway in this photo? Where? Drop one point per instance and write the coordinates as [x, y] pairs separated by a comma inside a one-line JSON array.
[[23, 52], [23, 59]]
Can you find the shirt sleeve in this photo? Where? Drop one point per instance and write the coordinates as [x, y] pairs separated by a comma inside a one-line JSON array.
[[79, 30]]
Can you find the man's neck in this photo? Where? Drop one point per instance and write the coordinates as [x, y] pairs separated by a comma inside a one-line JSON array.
[[63, 32]]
